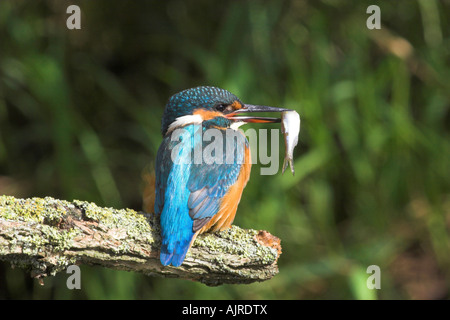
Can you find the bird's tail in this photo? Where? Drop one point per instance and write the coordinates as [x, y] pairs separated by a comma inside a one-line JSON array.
[[175, 253]]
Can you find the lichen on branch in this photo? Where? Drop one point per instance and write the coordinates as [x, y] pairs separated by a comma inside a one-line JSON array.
[[46, 235]]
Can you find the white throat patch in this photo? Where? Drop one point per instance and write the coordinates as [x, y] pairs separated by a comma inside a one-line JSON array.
[[235, 125], [185, 120]]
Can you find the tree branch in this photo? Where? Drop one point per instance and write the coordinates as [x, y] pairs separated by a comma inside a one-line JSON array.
[[46, 235]]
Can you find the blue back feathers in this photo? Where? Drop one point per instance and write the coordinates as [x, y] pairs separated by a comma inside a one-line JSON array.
[[188, 195]]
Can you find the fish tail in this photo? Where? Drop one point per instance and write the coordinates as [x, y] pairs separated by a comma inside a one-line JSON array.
[[285, 164], [291, 164]]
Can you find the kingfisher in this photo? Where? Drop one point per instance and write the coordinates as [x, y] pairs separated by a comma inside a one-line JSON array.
[[191, 196]]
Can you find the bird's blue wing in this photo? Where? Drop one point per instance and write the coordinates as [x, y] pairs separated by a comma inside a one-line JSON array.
[[208, 183]]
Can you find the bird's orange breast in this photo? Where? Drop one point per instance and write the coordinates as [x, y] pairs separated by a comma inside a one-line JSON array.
[[228, 206]]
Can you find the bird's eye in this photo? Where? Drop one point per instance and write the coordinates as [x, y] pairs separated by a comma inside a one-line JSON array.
[[221, 107]]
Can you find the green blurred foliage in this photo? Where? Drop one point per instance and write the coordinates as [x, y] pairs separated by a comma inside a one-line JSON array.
[[80, 118]]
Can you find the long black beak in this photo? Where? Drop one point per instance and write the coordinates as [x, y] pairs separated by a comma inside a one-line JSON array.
[[253, 108]]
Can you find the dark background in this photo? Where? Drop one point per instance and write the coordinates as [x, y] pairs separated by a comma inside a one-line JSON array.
[[80, 115]]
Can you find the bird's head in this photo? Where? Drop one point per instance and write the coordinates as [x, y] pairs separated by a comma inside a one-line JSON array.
[[212, 105]]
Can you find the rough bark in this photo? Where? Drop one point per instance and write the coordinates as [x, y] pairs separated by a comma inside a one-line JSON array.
[[46, 235]]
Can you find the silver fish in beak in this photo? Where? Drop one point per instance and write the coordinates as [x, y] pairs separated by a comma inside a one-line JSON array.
[[290, 127]]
